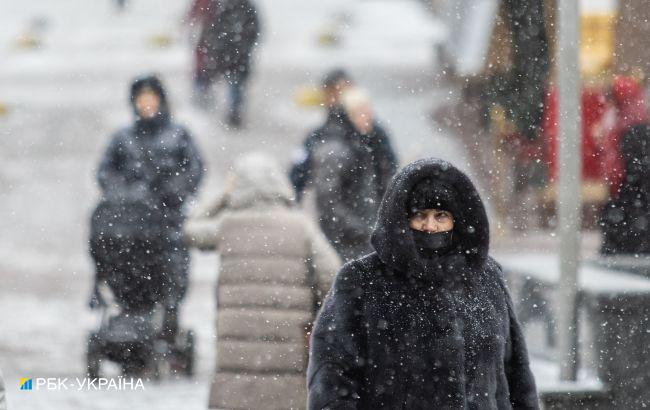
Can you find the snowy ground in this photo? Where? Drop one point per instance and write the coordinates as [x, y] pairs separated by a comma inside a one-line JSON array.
[[60, 102]]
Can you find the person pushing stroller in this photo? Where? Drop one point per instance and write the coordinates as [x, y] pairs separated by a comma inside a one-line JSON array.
[[146, 175]]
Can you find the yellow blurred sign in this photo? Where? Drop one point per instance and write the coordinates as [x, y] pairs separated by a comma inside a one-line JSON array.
[[306, 96], [597, 35], [27, 41], [160, 40]]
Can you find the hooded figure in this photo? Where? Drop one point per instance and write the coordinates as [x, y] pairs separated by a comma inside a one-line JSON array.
[[422, 322], [275, 269], [147, 174], [350, 171]]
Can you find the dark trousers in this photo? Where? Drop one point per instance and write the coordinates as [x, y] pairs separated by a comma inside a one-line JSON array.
[[236, 86]]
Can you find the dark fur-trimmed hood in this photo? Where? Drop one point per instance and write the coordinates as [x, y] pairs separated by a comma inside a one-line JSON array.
[[392, 238]]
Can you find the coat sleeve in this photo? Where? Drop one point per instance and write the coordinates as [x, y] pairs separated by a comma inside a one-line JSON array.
[[521, 383], [385, 157], [202, 233], [331, 162], [337, 348], [177, 184], [253, 26], [324, 262]]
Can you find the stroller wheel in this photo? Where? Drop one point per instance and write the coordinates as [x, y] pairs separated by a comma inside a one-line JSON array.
[[182, 357], [134, 360], [160, 360], [93, 356]]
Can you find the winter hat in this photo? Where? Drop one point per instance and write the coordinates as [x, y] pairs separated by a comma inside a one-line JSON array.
[[151, 82], [148, 81], [429, 193], [259, 178], [334, 76]]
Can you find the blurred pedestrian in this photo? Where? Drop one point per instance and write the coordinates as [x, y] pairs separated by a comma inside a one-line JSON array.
[[425, 321], [275, 269], [146, 176], [593, 109], [351, 169], [335, 83], [626, 216], [229, 31], [628, 109]]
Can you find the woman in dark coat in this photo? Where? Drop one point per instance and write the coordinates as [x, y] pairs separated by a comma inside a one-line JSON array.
[[146, 175], [424, 322]]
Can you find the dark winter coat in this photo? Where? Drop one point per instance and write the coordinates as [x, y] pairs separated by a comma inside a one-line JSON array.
[[230, 31], [350, 173], [398, 332], [300, 172], [147, 173], [626, 218]]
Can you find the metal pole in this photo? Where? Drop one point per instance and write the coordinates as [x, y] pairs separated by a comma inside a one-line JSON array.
[[569, 184]]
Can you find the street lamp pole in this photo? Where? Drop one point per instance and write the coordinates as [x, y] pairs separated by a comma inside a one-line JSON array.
[[569, 185]]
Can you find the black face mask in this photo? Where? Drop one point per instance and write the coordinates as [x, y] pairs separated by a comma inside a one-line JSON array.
[[430, 245]]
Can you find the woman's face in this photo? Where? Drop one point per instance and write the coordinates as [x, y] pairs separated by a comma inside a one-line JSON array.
[[431, 220], [361, 118], [147, 104]]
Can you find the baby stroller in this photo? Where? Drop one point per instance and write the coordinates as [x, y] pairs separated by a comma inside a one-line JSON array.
[[138, 296]]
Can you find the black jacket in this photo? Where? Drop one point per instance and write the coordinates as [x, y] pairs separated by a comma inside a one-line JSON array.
[[147, 173], [350, 173], [300, 172], [626, 218], [400, 332]]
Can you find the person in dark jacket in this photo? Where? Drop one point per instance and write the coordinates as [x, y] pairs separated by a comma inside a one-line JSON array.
[[425, 321], [350, 172], [334, 84], [229, 31], [626, 216], [147, 174]]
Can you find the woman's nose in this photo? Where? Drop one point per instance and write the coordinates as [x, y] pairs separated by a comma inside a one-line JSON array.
[[430, 224]]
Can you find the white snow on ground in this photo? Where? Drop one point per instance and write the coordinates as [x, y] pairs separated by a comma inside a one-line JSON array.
[[591, 277], [65, 98], [547, 378]]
